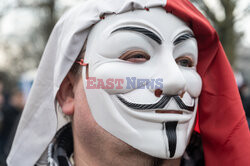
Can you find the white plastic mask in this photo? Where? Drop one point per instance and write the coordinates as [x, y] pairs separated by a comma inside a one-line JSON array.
[[156, 47]]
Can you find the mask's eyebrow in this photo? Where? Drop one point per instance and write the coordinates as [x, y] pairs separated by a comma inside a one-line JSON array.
[[183, 37], [144, 31]]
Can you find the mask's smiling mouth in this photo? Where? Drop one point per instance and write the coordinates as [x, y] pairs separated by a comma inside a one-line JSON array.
[[159, 106], [168, 112]]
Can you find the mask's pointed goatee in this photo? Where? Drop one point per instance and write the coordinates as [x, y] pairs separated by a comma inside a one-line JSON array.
[[170, 128]]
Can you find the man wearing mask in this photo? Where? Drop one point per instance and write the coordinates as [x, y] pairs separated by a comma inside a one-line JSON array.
[[121, 82]]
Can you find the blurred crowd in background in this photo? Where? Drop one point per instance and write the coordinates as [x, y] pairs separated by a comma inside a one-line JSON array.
[[11, 106], [25, 26]]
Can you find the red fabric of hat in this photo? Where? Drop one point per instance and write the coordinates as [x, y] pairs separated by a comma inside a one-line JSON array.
[[222, 122]]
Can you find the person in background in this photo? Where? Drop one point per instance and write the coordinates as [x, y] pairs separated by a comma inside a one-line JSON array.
[[244, 93], [11, 112]]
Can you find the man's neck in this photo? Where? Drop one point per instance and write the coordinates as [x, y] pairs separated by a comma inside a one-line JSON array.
[[83, 158], [93, 146], [83, 162]]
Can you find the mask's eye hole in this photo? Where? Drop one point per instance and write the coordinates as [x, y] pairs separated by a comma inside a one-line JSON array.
[[185, 61], [135, 56]]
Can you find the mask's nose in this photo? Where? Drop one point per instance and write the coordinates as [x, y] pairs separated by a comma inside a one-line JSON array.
[[173, 81]]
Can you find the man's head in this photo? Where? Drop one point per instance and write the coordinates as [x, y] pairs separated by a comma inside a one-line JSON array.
[[140, 83], [157, 121]]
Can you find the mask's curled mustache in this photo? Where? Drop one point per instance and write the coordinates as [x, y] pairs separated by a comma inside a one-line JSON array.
[[158, 105]]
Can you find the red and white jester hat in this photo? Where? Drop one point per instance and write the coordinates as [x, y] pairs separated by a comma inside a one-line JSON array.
[[222, 123]]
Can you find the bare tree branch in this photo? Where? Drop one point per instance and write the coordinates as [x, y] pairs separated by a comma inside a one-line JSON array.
[[207, 10]]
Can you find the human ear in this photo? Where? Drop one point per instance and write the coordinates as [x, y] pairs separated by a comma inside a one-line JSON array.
[[65, 95]]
